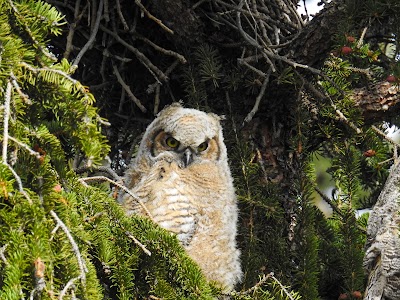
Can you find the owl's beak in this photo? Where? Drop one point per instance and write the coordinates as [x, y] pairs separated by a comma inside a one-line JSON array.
[[187, 157]]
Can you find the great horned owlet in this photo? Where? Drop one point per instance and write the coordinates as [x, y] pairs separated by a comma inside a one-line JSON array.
[[182, 176]]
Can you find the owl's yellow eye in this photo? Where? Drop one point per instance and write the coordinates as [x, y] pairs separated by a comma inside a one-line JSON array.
[[171, 142], [202, 147]]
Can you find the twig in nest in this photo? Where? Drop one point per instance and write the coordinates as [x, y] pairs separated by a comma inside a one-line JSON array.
[[72, 27], [92, 37], [156, 72], [251, 114], [121, 186], [121, 16], [151, 17], [128, 89], [143, 247], [156, 100], [181, 58], [75, 248]]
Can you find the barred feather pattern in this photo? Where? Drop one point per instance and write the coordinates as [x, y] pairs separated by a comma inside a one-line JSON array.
[[197, 201]]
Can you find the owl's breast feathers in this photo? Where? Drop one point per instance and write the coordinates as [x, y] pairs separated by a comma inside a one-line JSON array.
[[177, 197]]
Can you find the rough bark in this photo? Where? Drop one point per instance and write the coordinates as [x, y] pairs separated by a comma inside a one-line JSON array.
[[382, 259], [315, 40], [378, 102]]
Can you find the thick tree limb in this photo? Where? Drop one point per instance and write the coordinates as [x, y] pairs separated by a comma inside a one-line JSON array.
[[382, 258]]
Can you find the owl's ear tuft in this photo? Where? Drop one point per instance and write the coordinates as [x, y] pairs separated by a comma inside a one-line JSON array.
[[168, 108], [217, 117]]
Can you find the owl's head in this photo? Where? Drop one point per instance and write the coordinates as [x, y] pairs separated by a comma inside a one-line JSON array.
[[186, 135]]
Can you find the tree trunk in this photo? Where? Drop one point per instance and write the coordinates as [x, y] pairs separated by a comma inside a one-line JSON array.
[[383, 244]]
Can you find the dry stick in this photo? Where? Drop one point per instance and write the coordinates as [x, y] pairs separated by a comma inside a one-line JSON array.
[[106, 11], [139, 55], [104, 169], [26, 147], [181, 58], [156, 100], [271, 55], [67, 287], [340, 115], [24, 96], [7, 101], [75, 248], [128, 89], [91, 38], [151, 17], [152, 87], [19, 182], [251, 114], [254, 69], [121, 16], [121, 186], [71, 32], [143, 247]]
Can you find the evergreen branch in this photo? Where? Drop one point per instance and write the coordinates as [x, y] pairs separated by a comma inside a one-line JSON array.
[[343, 118], [91, 40], [385, 136], [283, 288], [340, 115], [26, 147], [329, 201], [128, 89], [44, 51], [143, 247], [121, 186], [7, 101], [151, 17], [75, 248], [261, 282], [59, 72]]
